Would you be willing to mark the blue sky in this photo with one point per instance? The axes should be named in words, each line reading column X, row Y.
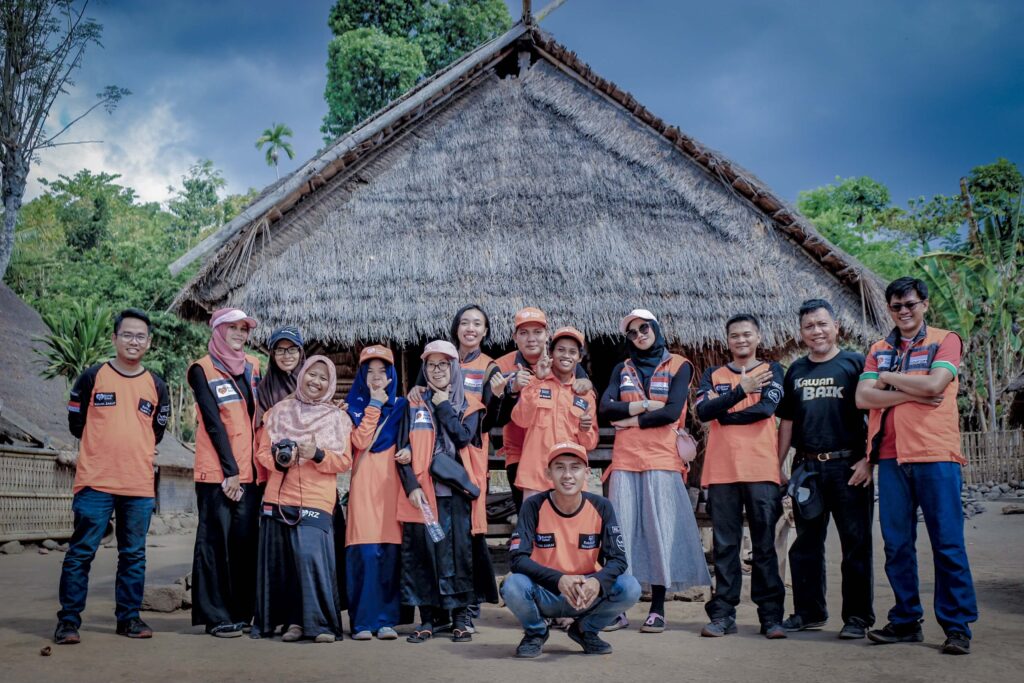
column 911, row 92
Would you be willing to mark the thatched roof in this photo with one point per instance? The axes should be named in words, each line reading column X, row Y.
column 518, row 177
column 33, row 410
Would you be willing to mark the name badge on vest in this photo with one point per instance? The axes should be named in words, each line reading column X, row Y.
column 224, row 391
column 588, row 541
column 544, row 540
column 473, row 381
column 722, row 388
column 919, row 360
column 104, row 399
column 421, row 420
column 884, row 360
column 627, row 381
column 145, row 407
column 579, row 406
column 545, row 393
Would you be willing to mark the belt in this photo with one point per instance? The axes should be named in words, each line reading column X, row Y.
column 830, row 455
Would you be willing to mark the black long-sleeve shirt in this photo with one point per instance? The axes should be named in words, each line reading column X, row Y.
column 709, row 409
column 567, row 538
column 214, row 426
column 612, row 409
column 462, row 433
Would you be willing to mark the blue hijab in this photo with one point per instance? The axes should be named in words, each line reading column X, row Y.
column 390, row 413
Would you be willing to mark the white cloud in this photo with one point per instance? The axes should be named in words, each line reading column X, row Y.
column 145, row 142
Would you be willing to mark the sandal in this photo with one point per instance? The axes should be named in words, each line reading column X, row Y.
column 655, row 623
column 423, row 633
column 461, row 635
column 620, row 622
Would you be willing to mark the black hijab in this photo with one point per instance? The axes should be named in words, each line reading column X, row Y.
column 277, row 384
column 646, row 362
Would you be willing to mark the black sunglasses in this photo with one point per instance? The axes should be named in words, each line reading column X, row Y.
column 644, row 328
column 909, row 305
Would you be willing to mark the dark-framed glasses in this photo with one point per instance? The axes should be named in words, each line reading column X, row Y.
column 128, row 337
column 642, row 328
column 909, row 305
column 443, row 366
column 290, row 351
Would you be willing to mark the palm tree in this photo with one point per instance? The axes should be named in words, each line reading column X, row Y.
column 274, row 138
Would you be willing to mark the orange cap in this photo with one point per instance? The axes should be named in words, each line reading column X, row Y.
column 379, row 352
column 568, row 448
column 570, row 332
column 530, row 315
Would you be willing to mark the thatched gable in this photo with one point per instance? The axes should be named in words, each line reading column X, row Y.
column 518, row 177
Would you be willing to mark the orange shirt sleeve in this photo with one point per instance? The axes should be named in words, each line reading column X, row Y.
column 362, row 437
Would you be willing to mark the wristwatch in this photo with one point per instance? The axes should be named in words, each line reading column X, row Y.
column 646, row 403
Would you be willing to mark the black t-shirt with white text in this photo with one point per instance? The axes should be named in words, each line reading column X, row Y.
column 820, row 400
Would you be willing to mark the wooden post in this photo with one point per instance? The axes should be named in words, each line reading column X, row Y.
column 527, row 17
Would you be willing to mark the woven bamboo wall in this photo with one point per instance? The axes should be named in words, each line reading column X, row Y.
column 993, row 456
column 35, row 496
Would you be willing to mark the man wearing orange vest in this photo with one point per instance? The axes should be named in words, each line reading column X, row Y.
column 568, row 559
column 119, row 410
column 517, row 368
column 909, row 385
column 742, row 472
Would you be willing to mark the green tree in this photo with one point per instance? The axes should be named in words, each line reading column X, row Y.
column 994, row 189
column 197, row 203
column 381, row 49
column 42, row 44
column 273, row 139
column 79, row 337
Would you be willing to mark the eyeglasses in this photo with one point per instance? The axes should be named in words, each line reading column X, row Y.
column 439, row 367
column 128, row 337
column 643, row 328
column 909, row 305
column 290, row 351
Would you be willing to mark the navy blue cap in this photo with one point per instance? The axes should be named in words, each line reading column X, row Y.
column 292, row 334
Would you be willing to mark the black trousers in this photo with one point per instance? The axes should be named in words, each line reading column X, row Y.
column 517, row 493
column 763, row 504
column 224, row 562
column 852, row 508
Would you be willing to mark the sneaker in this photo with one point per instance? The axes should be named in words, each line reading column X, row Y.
column 362, row 635
column 324, row 638
column 66, row 633
column 956, row 644
column 798, row 623
column 852, row 631
column 531, row 645
column 589, row 641
column 655, row 623
column 224, row 631
column 134, row 628
column 386, row 633
column 773, row 630
column 620, row 622
column 293, row 634
column 897, row 633
column 719, row 627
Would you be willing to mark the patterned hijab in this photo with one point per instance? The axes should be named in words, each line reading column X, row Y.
column 300, row 417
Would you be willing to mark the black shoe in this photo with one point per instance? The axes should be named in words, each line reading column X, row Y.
column 716, row 628
column 897, row 633
column 531, row 645
column 590, row 642
column 134, row 628
column 956, row 644
column 66, row 633
column 852, row 630
column 798, row 623
column 773, row 630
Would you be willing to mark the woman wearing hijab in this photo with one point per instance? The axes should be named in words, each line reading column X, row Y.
column 439, row 570
column 227, row 497
column 374, row 536
column 304, row 447
column 287, row 356
column 646, row 402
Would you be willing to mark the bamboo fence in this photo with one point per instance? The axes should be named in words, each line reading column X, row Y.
column 993, row 456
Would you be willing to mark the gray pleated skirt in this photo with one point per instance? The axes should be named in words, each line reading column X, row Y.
column 659, row 529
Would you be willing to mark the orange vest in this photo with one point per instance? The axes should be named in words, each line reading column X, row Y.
column 512, row 435
column 740, row 453
column 235, row 416
column 640, row 450
column 474, row 374
column 923, row 433
column 309, row 485
column 550, row 413
column 117, row 450
column 421, row 442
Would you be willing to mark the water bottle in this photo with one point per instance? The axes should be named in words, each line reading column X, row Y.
column 434, row 529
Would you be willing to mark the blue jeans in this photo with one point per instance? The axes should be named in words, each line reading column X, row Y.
column 92, row 510
column 935, row 488
column 531, row 603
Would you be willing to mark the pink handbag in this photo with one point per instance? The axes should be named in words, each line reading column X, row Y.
column 686, row 445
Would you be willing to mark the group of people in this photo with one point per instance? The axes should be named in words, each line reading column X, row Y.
column 279, row 551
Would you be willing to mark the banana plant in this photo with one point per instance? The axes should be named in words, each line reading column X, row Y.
column 79, row 337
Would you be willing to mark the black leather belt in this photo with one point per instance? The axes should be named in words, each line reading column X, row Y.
column 830, row 455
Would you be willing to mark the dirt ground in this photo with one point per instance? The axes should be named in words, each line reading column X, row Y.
column 178, row 652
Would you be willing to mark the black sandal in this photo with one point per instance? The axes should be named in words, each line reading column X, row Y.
column 461, row 635
column 423, row 633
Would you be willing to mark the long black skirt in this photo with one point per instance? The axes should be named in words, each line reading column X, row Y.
column 224, row 560
column 451, row 574
column 296, row 578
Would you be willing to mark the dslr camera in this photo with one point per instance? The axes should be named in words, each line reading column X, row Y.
column 284, row 452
